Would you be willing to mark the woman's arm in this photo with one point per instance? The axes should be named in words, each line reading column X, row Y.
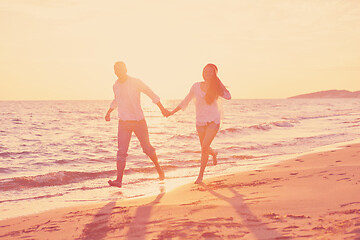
column 175, row 110
column 225, row 93
column 184, row 103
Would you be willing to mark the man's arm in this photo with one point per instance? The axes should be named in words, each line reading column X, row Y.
column 163, row 110
column 145, row 89
column 113, row 105
column 107, row 116
column 155, row 98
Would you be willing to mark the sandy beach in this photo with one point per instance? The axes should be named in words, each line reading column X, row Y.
column 314, row 196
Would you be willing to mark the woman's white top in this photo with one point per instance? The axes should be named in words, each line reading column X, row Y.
column 127, row 99
column 205, row 112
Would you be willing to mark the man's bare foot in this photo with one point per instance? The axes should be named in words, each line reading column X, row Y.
column 215, row 158
column 115, row 183
column 198, row 180
column 161, row 175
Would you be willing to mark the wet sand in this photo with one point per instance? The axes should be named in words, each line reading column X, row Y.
column 315, row 196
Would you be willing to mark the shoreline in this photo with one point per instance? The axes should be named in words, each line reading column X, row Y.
column 309, row 196
column 169, row 185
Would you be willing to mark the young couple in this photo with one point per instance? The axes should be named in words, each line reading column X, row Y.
column 131, row 117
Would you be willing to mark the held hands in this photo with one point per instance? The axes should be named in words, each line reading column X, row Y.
column 165, row 112
column 171, row 113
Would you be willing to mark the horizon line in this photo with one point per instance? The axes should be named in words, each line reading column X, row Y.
column 14, row 100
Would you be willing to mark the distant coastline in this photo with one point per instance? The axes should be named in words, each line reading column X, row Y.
column 330, row 94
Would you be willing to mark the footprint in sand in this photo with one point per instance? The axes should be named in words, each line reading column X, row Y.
column 210, row 235
column 296, row 216
column 357, row 230
column 235, row 236
column 350, row 203
column 272, row 216
column 191, row 204
column 319, row 228
column 349, row 179
column 290, row 228
column 51, row 228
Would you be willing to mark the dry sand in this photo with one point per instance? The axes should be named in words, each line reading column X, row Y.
column 315, row 196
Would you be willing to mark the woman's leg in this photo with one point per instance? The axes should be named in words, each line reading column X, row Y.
column 209, row 135
column 142, row 133
column 201, row 132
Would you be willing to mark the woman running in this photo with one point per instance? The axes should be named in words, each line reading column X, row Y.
column 208, row 113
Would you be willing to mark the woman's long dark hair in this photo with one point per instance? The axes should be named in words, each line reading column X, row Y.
column 215, row 90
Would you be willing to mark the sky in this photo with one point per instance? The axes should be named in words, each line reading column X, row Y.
column 66, row 49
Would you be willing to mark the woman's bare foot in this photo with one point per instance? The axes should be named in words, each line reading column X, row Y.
column 215, row 158
column 198, row 180
column 115, row 183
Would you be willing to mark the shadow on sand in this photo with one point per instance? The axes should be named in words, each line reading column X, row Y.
column 98, row 228
column 138, row 225
column 258, row 229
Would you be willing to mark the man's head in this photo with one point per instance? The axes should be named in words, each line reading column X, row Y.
column 120, row 70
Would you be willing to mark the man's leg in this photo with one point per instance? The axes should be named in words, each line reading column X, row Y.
column 124, row 136
column 142, row 133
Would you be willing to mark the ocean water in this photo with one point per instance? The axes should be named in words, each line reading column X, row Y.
column 62, row 153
